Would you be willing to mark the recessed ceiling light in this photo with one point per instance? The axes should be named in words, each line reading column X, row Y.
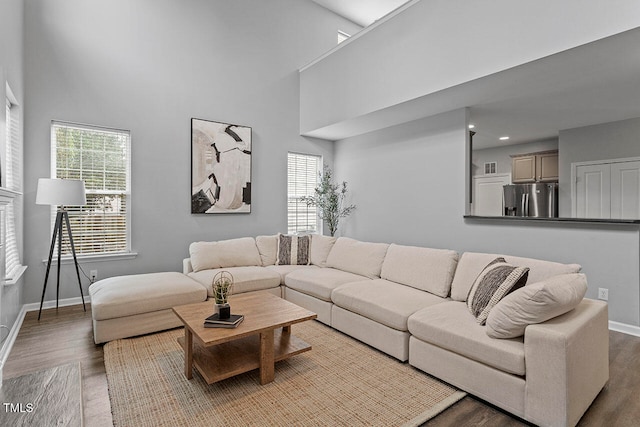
column 504, row 138
column 472, row 126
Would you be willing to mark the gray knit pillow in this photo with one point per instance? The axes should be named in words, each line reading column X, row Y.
column 494, row 282
column 293, row 250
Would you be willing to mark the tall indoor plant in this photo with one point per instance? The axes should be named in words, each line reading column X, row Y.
column 329, row 198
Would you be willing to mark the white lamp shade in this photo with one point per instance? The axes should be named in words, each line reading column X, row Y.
column 61, row 192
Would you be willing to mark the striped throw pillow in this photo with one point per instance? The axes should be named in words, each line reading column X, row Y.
column 494, row 282
column 293, row 250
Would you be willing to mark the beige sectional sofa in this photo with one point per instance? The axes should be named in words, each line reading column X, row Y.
column 410, row 303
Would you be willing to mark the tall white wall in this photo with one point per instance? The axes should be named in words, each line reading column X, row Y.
column 150, row 66
column 438, row 44
column 12, row 73
column 408, row 183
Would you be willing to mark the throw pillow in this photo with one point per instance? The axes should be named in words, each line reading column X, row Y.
column 495, row 281
column 536, row 303
column 293, row 250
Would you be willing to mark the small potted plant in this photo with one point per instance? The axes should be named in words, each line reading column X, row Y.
column 222, row 287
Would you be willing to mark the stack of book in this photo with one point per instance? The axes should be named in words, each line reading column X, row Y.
column 214, row 321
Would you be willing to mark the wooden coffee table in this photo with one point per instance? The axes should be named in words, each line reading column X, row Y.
column 263, row 338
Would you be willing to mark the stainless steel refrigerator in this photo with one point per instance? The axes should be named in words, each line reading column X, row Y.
column 539, row 200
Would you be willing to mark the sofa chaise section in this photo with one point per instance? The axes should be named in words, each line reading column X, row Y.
column 127, row 306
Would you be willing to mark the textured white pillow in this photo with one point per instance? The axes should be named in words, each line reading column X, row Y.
column 268, row 248
column 320, row 248
column 536, row 303
column 225, row 253
column 357, row 257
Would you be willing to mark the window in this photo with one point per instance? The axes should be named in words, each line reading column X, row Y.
column 342, row 36
column 13, row 181
column 303, row 174
column 101, row 158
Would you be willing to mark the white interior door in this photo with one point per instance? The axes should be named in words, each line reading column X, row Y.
column 488, row 194
column 592, row 191
column 625, row 190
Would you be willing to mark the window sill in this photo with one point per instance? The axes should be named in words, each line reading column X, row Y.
column 16, row 277
column 68, row 259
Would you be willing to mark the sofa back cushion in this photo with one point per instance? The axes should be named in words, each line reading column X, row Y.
column 471, row 265
column 357, row 257
column 426, row 269
column 268, row 248
column 224, row 253
column 320, row 248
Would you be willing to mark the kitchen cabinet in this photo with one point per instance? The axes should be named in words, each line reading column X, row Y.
column 535, row 167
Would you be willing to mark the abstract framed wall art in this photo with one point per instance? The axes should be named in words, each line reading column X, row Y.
column 220, row 168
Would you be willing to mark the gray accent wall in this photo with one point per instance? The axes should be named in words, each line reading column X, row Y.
column 150, row 66
column 408, row 183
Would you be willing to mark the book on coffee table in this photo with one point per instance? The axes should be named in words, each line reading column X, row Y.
column 214, row 321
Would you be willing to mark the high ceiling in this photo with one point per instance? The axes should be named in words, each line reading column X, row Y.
column 591, row 84
column 362, row 12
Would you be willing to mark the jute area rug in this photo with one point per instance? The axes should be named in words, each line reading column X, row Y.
column 339, row 382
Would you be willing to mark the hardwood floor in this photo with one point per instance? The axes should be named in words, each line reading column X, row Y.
column 66, row 335
column 59, row 338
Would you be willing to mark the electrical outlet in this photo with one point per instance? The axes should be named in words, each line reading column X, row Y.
column 93, row 275
column 603, row 294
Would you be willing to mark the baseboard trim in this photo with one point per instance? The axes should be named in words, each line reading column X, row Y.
column 11, row 338
column 35, row 306
column 624, row 328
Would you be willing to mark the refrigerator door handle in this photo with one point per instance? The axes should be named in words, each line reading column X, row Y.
column 525, row 204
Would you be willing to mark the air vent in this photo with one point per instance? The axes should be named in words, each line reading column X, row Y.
column 490, row 168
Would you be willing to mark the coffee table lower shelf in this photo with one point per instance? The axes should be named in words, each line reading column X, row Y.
column 222, row 361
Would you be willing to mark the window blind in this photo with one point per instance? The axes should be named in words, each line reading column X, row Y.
column 101, row 158
column 303, row 173
column 13, row 181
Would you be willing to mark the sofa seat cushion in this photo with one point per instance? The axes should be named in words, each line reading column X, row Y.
column 245, row 279
column 427, row 269
column 122, row 296
column 319, row 282
column 452, row 327
column 382, row 301
column 472, row 263
column 283, row 270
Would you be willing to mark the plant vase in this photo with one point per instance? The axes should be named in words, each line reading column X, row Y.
column 223, row 310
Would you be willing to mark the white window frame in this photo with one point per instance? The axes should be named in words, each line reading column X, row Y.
column 302, row 186
column 125, row 253
column 13, row 182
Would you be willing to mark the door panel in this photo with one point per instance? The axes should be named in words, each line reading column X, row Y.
column 593, row 183
column 625, row 190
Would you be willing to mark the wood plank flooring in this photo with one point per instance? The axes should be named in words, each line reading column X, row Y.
column 66, row 336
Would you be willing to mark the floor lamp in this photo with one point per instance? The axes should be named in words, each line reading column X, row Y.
column 60, row 193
